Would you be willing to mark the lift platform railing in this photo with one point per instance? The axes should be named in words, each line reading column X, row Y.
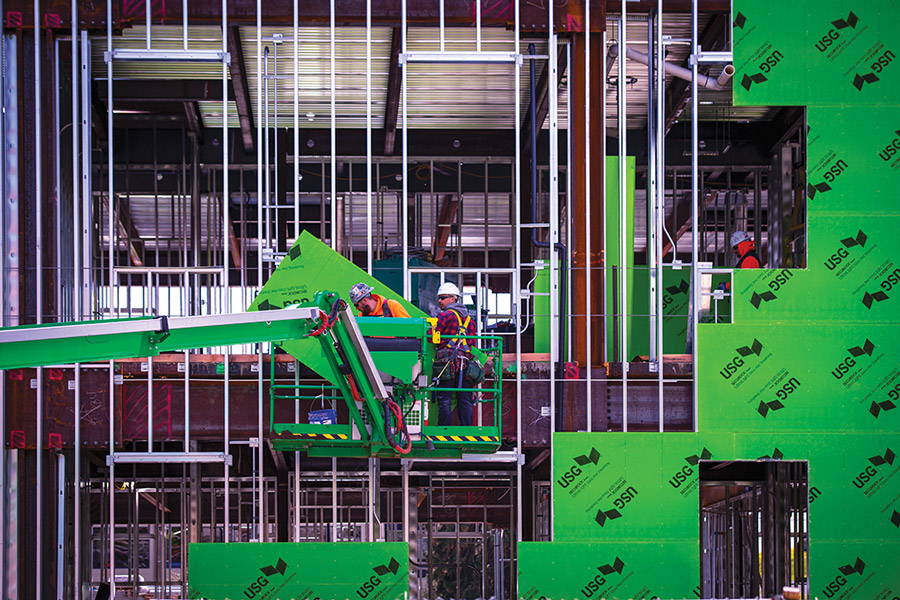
column 412, row 392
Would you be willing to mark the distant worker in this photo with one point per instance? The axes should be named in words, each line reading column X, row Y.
column 373, row 305
column 743, row 247
column 453, row 355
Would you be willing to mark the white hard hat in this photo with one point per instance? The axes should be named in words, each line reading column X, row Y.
column 448, row 288
column 739, row 236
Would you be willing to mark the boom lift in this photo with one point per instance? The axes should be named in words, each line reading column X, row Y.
column 382, row 369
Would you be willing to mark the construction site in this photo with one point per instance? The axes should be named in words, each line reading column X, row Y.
column 449, row 299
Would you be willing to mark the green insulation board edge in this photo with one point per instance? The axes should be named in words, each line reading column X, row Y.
column 309, row 267
column 304, row 571
column 635, row 497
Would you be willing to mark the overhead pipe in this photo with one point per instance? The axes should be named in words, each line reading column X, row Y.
column 717, row 84
column 561, row 248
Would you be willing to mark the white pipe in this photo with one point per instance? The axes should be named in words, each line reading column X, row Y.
column 706, row 81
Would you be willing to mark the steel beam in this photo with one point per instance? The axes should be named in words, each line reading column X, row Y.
column 241, row 89
column 586, row 302
column 392, row 99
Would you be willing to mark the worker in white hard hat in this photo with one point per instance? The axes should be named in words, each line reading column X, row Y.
column 743, row 247
column 374, row 305
column 454, row 319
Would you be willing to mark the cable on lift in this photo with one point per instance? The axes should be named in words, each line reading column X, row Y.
column 394, row 408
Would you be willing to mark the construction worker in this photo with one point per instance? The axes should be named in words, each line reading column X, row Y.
column 743, row 247
column 373, row 305
column 453, row 320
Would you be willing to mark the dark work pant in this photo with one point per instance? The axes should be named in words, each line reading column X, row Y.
column 464, row 404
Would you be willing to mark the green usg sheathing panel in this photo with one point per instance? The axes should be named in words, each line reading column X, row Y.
column 565, row 570
column 623, row 494
column 305, row 571
column 787, row 379
column 831, row 53
column 309, row 267
column 809, row 371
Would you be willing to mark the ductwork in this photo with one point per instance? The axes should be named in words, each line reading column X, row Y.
column 674, row 70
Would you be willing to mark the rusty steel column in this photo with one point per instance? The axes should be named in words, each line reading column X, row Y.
column 587, row 304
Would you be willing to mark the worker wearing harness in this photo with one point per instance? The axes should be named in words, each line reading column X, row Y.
column 373, row 305
column 453, row 320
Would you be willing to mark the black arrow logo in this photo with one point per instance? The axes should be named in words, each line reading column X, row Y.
column 681, row 288
column 866, row 348
column 876, row 297
column 593, row 458
column 279, row 567
column 603, row 516
column 615, row 567
column 813, row 189
column 757, row 299
column 776, row 455
column 859, row 240
column 391, row 567
column 858, row 567
column 740, row 20
column 266, row 305
column 755, row 348
column 749, row 80
column 877, row 407
column 850, row 22
column 860, row 80
column 887, row 459
column 895, row 519
column 765, row 407
column 692, row 460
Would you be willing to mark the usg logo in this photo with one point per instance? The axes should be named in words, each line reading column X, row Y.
column 842, row 253
column 569, row 477
column 886, row 284
column 833, row 172
column 886, row 459
column 374, row 581
column 619, row 503
column 737, row 362
column 780, row 394
column 593, row 585
column 886, row 58
column 891, row 149
column 871, row 469
column 829, row 38
column 674, row 290
column 843, row 368
column 893, row 395
column 835, row 586
column 262, row 581
column 774, row 284
column 686, row 471
column 766, row 66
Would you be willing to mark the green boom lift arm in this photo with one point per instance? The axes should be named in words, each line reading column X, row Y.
column 377, row 422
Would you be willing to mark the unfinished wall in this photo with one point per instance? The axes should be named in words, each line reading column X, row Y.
column 808, row 371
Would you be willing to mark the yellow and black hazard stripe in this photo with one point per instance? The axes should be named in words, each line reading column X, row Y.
column 315, row 436
column 463, row 438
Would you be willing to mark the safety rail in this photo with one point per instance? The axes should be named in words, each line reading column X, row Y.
column 343, row 437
